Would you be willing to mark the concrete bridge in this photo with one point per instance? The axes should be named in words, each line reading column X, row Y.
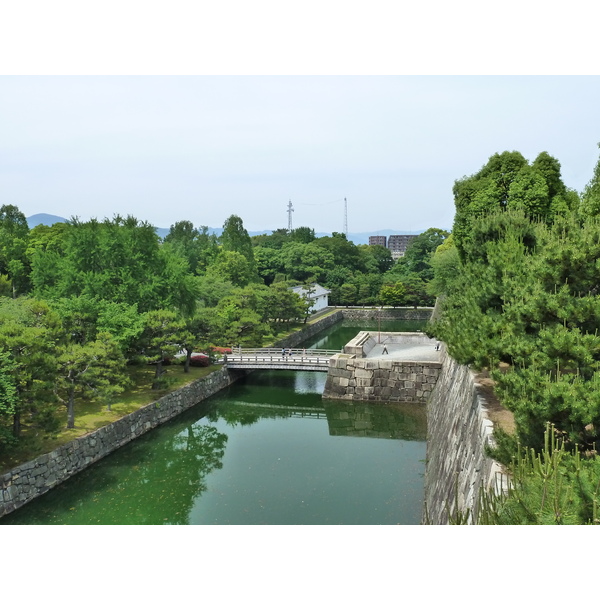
column 293, row 359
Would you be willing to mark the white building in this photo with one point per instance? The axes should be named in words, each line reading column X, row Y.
column 315, row 292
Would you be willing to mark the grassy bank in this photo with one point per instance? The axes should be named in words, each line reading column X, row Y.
column 93, row 414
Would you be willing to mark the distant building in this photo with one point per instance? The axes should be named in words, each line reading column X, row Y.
column 377, row 240
column 316, row 292
column 397, row 244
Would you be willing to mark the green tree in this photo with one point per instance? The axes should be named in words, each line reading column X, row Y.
column 236, row 239
column 9, row 398
column 234, row 267
column 93, row 369
column 199, row 333
column 307, row 262
column 392, row 294
column 590, row 201
column 29, row 332
column 507, row 181
column 13, row 245
column 269, row 263
column 161, row 339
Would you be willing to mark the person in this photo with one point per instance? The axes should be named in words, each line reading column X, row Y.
column 437, row 346
column 385, row 350
column 282, row 352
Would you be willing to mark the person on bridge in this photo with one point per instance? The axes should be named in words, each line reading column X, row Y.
column 385, row 350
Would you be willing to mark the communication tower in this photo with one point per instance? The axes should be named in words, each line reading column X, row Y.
column 346, row 217
column 290, row 210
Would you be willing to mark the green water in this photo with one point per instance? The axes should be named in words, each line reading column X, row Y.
column 267, row 450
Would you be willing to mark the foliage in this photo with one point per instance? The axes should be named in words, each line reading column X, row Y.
column 392, row 294
column 507, row 181
column 161, row 338
column 550, row 487
column 590, row 201
column 13, row 245
column 119, row 261
column 93, row 369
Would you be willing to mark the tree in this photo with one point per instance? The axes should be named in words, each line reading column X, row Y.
column 269, row 263
column 392, row 294
column 507, row 181
column 93, row 369
column 119, row 261
column 303, row 235
column 343, row 252
column 29, row 332
column 307, row 262
column 376, row 259
column 417, row 258
column 200, row 332
column 445, row 263
column 197, row 246
column 161, row 339
column 236, row 239
column 234, row 267
column 9, row 398
column 13, row 244
column 590, row 201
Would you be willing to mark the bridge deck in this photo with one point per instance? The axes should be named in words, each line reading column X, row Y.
column 274, row 358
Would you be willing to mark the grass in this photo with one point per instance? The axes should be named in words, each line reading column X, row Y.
column 93, row 414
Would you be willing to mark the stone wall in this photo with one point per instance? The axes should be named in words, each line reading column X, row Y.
column 458, row 430
column 387, row 314
column 378, row 380
column 32, row 479
column 296, row 339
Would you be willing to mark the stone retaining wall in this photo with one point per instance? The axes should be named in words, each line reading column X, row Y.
column 378, row 380
column 458, row 430
column 34, row 478
column 387, row 314
column 296, row 339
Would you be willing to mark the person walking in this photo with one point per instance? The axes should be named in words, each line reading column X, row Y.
column 385, row 350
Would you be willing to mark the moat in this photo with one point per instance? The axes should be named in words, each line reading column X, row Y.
column 267, row 450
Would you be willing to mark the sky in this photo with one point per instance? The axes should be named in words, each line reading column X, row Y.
column 200, row 148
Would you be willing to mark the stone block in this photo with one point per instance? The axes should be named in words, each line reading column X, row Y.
column 364, row 373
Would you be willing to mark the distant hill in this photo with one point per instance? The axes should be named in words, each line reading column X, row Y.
column 44, row 219
column 357, row 238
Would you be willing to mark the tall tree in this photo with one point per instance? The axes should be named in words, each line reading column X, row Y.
column 13, row 245
column 590, row 202
column 93, row 369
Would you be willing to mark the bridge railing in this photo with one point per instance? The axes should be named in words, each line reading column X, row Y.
column 274, row 355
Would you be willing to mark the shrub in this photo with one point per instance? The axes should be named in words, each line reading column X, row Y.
column 221, row 350
column 199, row 360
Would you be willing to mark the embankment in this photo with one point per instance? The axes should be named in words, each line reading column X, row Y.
column 34, row 478
column 458, row 431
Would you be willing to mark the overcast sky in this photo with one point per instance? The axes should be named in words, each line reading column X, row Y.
column 201, row 148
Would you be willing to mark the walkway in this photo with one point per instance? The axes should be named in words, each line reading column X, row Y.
column 295, row 359
column 407, row 352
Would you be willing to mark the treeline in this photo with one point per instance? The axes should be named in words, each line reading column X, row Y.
column 519, row 281
column 356, row 275
column 79, row 301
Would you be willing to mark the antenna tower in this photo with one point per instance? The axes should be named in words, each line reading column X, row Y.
column 346, row 217
column 290, row 210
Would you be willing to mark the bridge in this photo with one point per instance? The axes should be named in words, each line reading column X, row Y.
column 293, row 359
